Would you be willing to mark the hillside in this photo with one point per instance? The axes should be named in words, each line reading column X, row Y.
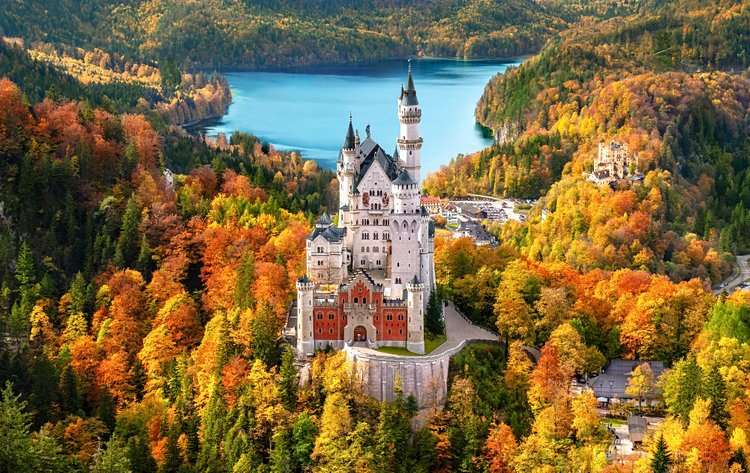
column 239, row 34
column 109, row 81
column 145, row 274
column 669, row 84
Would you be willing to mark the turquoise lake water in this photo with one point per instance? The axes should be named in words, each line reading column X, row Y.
column 308, row 109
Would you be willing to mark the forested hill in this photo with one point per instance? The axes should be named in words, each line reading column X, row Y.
column 101, row 79
column 671, row 84
column 244, row 34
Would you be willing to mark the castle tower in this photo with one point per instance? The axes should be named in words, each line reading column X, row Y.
column 426, row 253
column 346, row 164
column 305, row 339
column 404, row 228
column 409, row 115
column 415, row 312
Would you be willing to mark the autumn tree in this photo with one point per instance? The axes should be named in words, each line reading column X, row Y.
column 641, row 383
column 500, row 449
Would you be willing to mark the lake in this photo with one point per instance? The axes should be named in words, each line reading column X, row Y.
column 308, row 109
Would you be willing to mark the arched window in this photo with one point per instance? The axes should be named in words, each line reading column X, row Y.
column 356, row 300
column 389, row 331
column 330, row 330
column 364, row 300
column 400, row 316
column 330, row 316
column 320, row 316
column 400, row 331
column 389, row 317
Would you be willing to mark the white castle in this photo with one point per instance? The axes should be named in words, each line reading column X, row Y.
column 371, row 272
column 613, row 162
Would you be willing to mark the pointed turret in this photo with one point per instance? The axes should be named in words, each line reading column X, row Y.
column 409, row 94
column 349, row 142
column 409, row 142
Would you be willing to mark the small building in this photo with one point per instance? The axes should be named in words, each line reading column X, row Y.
column 169, row 177
column 433, row 204
column 637, row 428
column 613, row 383
column 451, row 214
column 472, row 211
column 613, row 162
column 476, row 232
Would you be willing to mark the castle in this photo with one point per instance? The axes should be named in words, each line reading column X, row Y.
column 613, row 162
column 369, row 274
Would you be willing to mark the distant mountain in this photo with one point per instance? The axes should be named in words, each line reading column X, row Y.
column 244, row 34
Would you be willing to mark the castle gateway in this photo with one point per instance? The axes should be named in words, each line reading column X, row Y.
column 370, row 273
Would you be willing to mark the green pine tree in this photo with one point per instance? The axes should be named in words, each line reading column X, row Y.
column 70, row 398
column 139, row 455
column 113, row 458
column 282, row 458
column 715, row 389
column 304, row 433
column 683, row 387
column 243, row 295
column 434, row 315
column 288, row 385
column 129, row 242
column 661, row 458
column 79, row 294
column 210, row 458
column 265, row 331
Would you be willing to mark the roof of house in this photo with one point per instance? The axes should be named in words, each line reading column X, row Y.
column 371, row 153
column 404, row 179
column 613, row 383
column 475, row 231
column 637, row 427
column 331, row 233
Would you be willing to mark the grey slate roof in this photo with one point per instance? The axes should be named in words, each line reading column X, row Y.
column 325, row 219
column 304, row 279
column 368, row 278
column 404, row 179
column 409, row 94
column 375, row 153
column 331, row 233
column 349, row 140
column 637, row 427
column 414, row 280
column 614, row 381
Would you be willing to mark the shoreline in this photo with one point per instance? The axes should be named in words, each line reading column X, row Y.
column 309, row 68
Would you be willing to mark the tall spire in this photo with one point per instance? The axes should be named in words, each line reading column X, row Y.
column 349, row 141
column 409, row 94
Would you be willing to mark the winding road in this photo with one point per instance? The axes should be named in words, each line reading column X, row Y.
column 736, row 279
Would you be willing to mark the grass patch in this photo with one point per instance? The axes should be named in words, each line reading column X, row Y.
column 396, row 351
column 430, row 344
column 614, row 421
column 452, row 226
